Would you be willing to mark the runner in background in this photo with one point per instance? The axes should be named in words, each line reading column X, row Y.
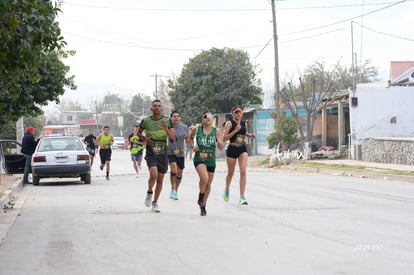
column 105, row 141
column 136, row 149
column 176, row 157
column 90, row 145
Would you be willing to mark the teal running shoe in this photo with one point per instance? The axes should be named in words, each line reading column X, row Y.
column 243, row 201
column 226, row 195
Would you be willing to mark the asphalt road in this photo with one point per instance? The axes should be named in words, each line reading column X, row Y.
column 294, row 224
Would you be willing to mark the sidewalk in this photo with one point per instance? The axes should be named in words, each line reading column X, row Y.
column 398, row 167
column 354, row 168
column 9, row 186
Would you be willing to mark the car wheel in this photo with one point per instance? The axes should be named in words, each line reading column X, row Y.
column 36, row 180
column 87, row 178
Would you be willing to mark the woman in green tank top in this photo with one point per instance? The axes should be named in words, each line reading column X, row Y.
column 206, row 137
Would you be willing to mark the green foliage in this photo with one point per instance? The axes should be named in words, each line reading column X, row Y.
column 112, row 103
column 31, row 46
column 8, row 131
column 139, row 107
column 26, row 97
column 36, row 122
column 215, row 80
column 285, row 134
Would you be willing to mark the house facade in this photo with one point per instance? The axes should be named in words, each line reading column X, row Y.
column 381, row 113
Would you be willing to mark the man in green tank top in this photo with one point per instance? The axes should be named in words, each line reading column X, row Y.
column 157, row 129
column 105, row 141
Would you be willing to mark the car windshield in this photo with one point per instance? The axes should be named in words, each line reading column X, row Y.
column 61, row 144
column 119, row 139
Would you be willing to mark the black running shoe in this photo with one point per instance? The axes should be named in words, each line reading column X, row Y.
column 203, row 211
column 202, row 205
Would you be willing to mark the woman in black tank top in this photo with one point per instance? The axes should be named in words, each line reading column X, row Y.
column 235, row 132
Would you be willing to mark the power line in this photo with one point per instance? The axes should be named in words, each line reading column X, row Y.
column 348, row 19
column 127, row 44
column 165, row 9
column 132, row 45
column 340, row 6
column 264, row 47
column 311, row 36
column 293, row 40
column 384, row 33
column 228, row 10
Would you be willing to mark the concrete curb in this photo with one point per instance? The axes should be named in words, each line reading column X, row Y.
column 7, row 201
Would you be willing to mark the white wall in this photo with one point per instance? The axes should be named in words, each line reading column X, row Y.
column 376, row 108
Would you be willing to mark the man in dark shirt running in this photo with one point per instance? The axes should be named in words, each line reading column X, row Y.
column 90, row 145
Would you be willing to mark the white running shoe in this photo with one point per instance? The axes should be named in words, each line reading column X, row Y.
column 148, row 199
column 155, row 208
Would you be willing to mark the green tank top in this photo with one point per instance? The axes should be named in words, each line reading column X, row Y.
column 105, row 141
column 135, row 148
column 207, row 146
column 158, row 136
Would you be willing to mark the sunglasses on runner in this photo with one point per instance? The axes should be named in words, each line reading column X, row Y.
column 208, row 116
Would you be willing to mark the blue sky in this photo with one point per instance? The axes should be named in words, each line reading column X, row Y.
column 125, row 42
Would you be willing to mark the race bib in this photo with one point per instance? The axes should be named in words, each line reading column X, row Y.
column 158, row 148
column 177, row 151
column 240, row 139
column 205, row 155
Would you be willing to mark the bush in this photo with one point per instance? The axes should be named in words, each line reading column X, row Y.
column 286, row 133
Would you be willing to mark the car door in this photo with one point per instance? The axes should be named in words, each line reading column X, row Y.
column 12, row 159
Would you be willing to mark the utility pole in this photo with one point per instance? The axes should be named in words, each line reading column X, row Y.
column 156, row 84
column 277, row 88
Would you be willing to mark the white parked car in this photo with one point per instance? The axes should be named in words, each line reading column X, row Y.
column 60, row 157
column 119, row 143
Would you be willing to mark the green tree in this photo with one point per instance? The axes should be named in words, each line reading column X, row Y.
column 31, row 46
column 8, row 131
column 215, row 80
column 286, row 133
column 138, row 108
column 26, row 97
